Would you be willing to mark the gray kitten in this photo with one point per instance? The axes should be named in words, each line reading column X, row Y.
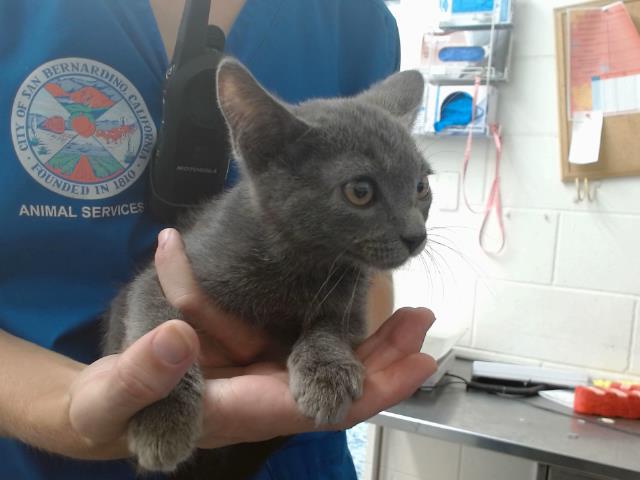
column 330, row 191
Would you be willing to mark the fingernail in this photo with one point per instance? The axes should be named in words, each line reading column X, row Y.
column 427, row 312
column 164, row 236
column 171, row 346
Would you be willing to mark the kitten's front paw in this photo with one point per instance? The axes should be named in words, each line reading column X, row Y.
column 324, row 391
column 161, row 439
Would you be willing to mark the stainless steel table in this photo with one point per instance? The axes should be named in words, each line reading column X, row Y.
column 535, row 429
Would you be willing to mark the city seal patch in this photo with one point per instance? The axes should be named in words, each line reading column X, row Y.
column 81, row 129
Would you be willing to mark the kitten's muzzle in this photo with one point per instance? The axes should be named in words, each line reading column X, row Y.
column 414, row 243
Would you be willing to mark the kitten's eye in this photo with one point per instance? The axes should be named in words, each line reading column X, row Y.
column 359, row 192
column 422, row 189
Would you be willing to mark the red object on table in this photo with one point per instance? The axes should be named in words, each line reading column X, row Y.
column 615, row 401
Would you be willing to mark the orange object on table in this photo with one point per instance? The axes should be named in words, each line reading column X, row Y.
column 617, row 400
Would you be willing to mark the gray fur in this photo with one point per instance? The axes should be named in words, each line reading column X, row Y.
column 285, row 250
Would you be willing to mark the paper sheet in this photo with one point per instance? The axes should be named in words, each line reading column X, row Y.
column 561, row 397
column 615, row 94
column 602, row 41
column 586, row 133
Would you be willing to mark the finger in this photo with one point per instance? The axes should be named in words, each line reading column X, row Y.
column 174, row 272
column 240, row 342
column 381, row 390
column 111, row 391
column 250, row 408
column 380, row 335
column 402, row 334
column 391, row 385
column 269, row 368
column 258, row 405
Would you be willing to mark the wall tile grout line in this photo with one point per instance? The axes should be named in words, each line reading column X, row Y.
column 567, row 288
column 635, row 337
column 556, row 250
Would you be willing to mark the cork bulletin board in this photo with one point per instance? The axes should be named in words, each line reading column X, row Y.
column 620, row 143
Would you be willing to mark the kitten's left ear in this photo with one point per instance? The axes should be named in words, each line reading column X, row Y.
column 261, row 126
column 400, row 94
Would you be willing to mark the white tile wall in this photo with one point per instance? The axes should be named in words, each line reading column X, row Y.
column 528, row 102
column 533, row 29
column 529, row 245
column 599, row 252
column 578, row 262
column 445, row 154
column 558, row 325
column 530, row 170
column 566, row 289
column 635, row 349
column 530, row 179
column 614, row 195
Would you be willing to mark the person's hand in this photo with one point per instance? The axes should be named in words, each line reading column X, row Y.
column 108, row 393
column 252, row 402
column 224, row 340
column 243, row 401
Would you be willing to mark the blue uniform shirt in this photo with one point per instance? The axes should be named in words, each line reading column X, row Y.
column 80, row 103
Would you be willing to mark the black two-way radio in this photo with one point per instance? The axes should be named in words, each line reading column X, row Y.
column 192, row 153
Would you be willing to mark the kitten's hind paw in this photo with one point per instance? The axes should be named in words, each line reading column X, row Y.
column 165, row 433
column 161, row 447
column 156, row 456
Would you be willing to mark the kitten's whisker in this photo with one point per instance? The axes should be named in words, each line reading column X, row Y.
column 326, row 280
column 446, row 243
column 477, row 270
column 427, row 253
column 458, row 253
column 346, row 317
column 440, row 152
column 439, row 235
column 438, row 258
column 433, row 253
column 426, row 269
column 447, row 227
column 314, row 310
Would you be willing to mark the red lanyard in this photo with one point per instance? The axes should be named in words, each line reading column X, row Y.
column 467, row 148
column 493, row 200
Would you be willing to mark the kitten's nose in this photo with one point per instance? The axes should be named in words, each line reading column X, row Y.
column 413, row 242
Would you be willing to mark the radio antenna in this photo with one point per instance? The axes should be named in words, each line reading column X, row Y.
column 192, row 33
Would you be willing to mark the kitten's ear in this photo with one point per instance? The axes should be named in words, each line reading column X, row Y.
column 261, row 126
column 400, row 94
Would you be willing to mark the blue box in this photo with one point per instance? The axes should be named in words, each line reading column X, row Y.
column 456, row 14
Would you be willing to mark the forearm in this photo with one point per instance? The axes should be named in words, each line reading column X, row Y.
column 34, row 400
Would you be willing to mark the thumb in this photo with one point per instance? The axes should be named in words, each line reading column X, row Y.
column 110, row 391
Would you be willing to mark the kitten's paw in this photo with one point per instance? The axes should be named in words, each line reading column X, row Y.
column 161, row 442
column 325, row 391
column 165, row 433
